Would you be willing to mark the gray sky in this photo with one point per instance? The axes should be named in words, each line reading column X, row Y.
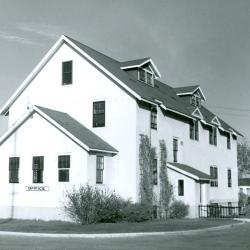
column 190, row 41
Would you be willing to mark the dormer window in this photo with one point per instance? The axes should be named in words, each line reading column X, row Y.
column 145, row 76
column 196, row 100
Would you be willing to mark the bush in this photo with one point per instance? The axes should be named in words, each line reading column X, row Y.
column 90, row 205
column 178, row 209
column 243, row 199
column 137, row 212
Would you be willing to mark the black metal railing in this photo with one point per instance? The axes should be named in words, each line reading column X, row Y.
column 211, row 211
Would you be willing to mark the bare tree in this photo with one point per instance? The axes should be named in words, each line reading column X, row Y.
column 243, row 154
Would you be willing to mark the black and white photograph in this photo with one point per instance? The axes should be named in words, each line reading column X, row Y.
column 124, row 124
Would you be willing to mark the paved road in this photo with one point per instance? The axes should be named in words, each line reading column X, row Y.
column 234, row 238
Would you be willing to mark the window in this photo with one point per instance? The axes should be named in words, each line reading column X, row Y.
column 213, row 136
column 99, row 114
column 14, row 170
column 38, row 162
column 229, row 208
column 214, row 177
column 99, row 169
column 228, row 141
column 194, row 130
column 181, row 187
column 67, row 73
column 196, row 100
column 229, row 178
column 154, row 118
column 63, row 168
column 155, row 172
column 146, row 76
column 241, row 190
column 175, row 149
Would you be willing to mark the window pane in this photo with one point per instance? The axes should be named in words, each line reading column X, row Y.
column 99, row 114
column 99, row 169
column 180, row 187
column 14, row 170
column 63, row 175
column 38, row 162
column 67, row 72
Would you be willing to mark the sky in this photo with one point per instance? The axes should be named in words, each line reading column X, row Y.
column 192, row 42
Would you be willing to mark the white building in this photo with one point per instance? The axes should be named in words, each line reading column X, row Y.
column 77, row 118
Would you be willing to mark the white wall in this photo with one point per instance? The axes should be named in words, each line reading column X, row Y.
column 77, row 99
column 34, row 138
column 197, row 154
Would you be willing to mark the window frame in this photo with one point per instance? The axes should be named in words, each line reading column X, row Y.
column 180, row 187
column 14, row 163
column 213, row 136
column 213, row 176
column 143, row 76
column 175, row 149
column 194, row 130
column 229, row 178
column 99, row 169
column 66, row 74
column 38, row 171
column 153, row 118
column 97, row 114
column 65, row 167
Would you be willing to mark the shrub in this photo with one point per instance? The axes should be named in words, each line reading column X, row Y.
column 137, row 212
column 87, row 205
column 243, row 199
column 178, row 209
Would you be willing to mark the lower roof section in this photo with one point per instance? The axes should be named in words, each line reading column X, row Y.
column 70, row 127
column 188, row 171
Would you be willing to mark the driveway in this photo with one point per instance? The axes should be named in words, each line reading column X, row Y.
column 232, row 238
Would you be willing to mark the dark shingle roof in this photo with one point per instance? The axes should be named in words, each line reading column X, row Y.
column 161, row 91
column 193, row 171
column 79, row 131
column 186, row 89
column 244, row 182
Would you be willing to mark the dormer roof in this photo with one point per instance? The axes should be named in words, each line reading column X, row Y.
column 137, row 63
column 190, row 90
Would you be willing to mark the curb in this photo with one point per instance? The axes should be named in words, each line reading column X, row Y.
column 120, row 235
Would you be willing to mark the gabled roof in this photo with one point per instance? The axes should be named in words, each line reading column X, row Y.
column 135, row 62
column 244, row 182
column 110, row 67
column 189, row 90
column 188, row 171
column 139, row 63
column 68, row 126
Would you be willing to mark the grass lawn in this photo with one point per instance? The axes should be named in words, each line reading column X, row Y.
column 150, row 226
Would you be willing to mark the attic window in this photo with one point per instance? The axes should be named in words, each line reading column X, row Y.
column 67, row 73
column 145, row 76
column 196, row 100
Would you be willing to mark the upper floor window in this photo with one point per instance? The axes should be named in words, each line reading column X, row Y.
column 214, row 176
column 146, row 76
column 67, row 73
column 14, row 170
column 154, row 118
column 196, row 100
column 99, row 169
column 175, row 149
column 229, row 178
column 213, row 136
column 181, row 187
column 37, row 167
column 228, row 141
column 155, row 172
column 63, row 168
column 194, row 130
column 99, row 114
